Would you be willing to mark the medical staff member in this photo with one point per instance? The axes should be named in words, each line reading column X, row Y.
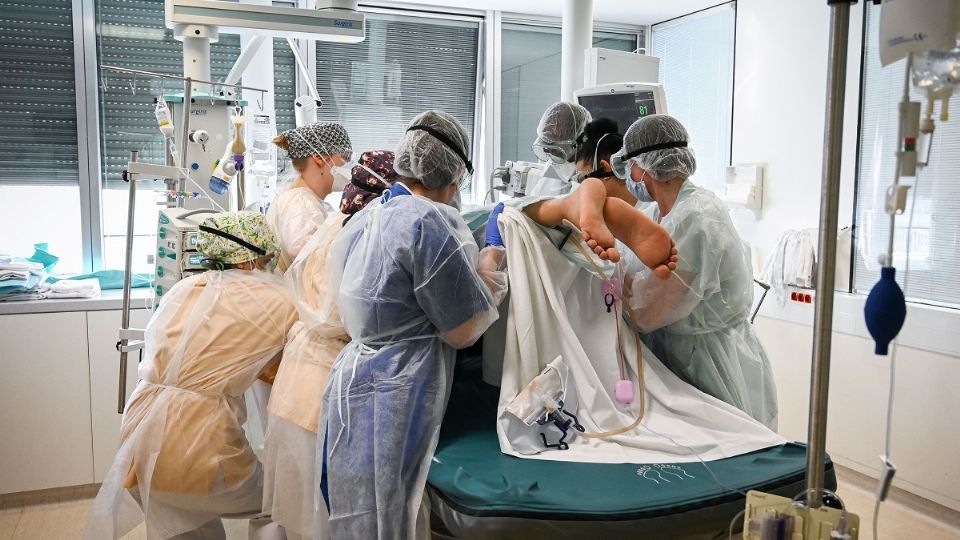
column 184, row 460
column 319, row 153
column 312, row 346
column 556, row 146
column 697, row 322
column 410, row 295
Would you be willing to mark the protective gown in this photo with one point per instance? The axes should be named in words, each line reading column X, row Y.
column 703, row 333
column 294, row 408
column 410, row 294
column 294, row 216
column 183, row 452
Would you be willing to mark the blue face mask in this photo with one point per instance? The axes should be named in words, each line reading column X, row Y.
column 639, row 189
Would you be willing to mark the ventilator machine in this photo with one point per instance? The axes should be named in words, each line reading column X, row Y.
column 206, row 126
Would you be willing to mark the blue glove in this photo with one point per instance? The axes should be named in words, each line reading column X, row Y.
column 395, row 190
column 493, row 231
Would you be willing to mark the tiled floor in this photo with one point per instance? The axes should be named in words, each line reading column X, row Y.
column 65, row 521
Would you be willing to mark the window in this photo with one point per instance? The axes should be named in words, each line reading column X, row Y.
column 39, row 169
column 935, row 244
column 405, row 66
column 530, row 81
column 696, row 70
column 132, row 34
column 284, row 84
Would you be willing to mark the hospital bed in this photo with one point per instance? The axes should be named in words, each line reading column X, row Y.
column 477, row 492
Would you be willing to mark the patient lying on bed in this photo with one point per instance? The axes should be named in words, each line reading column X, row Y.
column 603, row 220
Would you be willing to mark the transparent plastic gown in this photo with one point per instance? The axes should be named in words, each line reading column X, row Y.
column 410, row 295
column 183, row 453
column 703, row 333
column 294, row 409
column 294, row 216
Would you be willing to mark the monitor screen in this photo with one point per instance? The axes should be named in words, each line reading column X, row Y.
column 624, row 108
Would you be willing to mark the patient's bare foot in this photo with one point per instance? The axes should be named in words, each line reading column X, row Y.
column 653, row 245
column 598, row 236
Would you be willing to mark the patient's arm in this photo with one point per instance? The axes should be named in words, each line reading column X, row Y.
column 602, row 219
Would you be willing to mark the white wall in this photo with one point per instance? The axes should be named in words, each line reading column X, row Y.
column 779, row 95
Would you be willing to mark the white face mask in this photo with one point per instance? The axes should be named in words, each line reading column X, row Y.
column 341, row 176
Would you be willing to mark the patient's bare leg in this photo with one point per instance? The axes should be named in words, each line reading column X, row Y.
column 650, row 241
column 583, row 207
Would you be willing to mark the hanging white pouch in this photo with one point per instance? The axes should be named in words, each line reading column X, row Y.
column 531, row 419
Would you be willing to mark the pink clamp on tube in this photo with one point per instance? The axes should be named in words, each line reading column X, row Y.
column 623, row 391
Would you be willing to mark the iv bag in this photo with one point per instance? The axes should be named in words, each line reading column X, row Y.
column 263, row 154
column 937, row 72
column 915, row 26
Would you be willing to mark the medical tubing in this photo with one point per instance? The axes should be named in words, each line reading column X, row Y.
column 734, row 521
column 183, row 172
column 579, row 244
column 643, row 402
column 621, row 360
column 893, row 359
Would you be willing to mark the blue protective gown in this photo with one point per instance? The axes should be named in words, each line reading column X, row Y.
column 409, row 294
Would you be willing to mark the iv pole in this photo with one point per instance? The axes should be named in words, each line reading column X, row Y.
column 827, row 249
column 131, row 339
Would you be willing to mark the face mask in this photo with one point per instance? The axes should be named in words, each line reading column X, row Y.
column 455, row 201
column 639, row 189
column 341, row 176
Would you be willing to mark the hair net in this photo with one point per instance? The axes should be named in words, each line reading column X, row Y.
column 370, row 177
column 318, row 139
column 562, row 122
column 236, row 237
column 659, row 144
column 424, row 155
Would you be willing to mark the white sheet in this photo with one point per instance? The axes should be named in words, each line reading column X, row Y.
column 556, row 309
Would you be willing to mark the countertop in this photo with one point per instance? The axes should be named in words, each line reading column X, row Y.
column 108, row 300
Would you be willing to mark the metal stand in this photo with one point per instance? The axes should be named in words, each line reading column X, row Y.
column 125, row 345
column 131, row 339
column 827, row 248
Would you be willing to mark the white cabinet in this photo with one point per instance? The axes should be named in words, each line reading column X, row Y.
column 45, row 402
column 102, row 327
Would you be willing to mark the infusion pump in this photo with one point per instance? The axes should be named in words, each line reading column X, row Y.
column 177, row 256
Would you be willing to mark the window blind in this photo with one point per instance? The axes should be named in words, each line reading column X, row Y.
column 696, row 70
column 132, row 34
column 406, row 65
column 284, row 84
column 935, row 243
column 530, row 81
column 38, row 107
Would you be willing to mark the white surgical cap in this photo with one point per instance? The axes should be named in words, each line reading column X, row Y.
column 424, row 155
column 562, row 122
column 660, row 130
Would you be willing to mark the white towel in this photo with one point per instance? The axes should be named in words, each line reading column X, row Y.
column 74, row 288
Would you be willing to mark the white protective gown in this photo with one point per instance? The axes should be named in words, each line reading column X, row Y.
column 294, row 408
column 294, row 216
column 703, row 333
column 552, row 184
column 184, row 460
column 409, row 294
